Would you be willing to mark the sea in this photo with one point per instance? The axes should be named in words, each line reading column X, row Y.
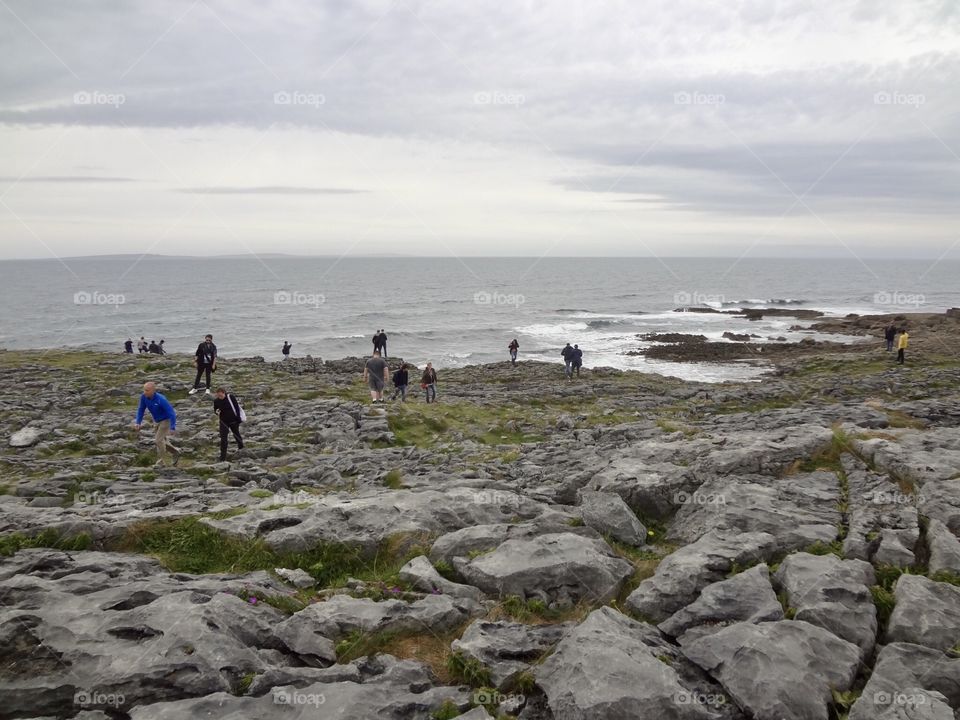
column 451, row 311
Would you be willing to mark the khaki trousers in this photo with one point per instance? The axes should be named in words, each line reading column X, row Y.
column 163, row 443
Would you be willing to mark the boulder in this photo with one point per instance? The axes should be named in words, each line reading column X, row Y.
column 609, row 515
column 508, row 648
column 926, row 613
column 26, row 437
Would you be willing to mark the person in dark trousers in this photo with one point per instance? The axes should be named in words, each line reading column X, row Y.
column 227, row 408
column 206, row 362
column 514, row 348
column 375, row 374
column 165, row 418
column 401, row 378
column 902, row 344
column 577, row 359
column 128, row 347
column 383, row 343
column 376, row 341
column 153, row 348
column 429, row 383
column 567, row 354
column 160, row 350
column 286, row 350
column 889, row 333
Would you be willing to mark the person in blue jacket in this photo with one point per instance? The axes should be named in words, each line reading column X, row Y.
column 164, row 416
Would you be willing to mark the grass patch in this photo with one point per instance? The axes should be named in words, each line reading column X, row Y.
column 393, row 480
column 885, row 602
column 9, row 544
column 448, row 710
column 822, row 548
column 261, row 493
column 468, row 670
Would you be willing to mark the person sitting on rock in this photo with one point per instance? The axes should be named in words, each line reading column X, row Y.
column 165, row 418
column 228, row 409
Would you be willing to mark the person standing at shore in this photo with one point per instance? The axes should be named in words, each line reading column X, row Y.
column 383, row 343
column 142, row 345
column 514, row 348
column 889, row 333
column 128, row 347
column 228, row 409
column 567, row 354
column 375, row 375
column 376, row 341
column 902, row 344
column 401, row 378
column 286, row 350
column 429, row 383
column 577, row 359
column 206, row 362
column 165, row 418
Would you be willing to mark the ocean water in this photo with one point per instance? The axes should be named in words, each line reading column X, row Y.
column 451, row 311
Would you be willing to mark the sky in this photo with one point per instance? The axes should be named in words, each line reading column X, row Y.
column 740, row 128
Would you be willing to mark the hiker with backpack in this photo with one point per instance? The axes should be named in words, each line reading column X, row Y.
column 231, row 414
column 401, row 378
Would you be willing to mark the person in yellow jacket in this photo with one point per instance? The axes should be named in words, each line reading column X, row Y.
column 902, row 344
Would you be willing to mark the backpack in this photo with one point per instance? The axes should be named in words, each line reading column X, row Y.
column 237, row 408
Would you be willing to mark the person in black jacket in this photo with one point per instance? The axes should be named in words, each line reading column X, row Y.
column 889, row 333
column 206, row 361
column 401, row 378
column 128, row 347
column 227, row 408
column 567, row 354
column 577, row 359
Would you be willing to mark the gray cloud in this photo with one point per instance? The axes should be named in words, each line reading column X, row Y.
column 270, row 190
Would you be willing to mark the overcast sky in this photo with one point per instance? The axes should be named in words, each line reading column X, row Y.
column 480, row 128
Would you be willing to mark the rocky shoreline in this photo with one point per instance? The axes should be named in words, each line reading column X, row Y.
column 620, row 546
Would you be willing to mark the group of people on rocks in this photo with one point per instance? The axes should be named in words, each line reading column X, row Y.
column 376, row 373
column 153, row 347
column 890, row 334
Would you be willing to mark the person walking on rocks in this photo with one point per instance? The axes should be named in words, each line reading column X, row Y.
column 286, row 350
column 165, row 418
column 375, row 374
column 514, row 348
column 228, row 409
column 567, row 354
column 889, row 333
column 902, row 344
column 429, row 383
column 401, row 378
column 577, row 359
column 206, row 362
